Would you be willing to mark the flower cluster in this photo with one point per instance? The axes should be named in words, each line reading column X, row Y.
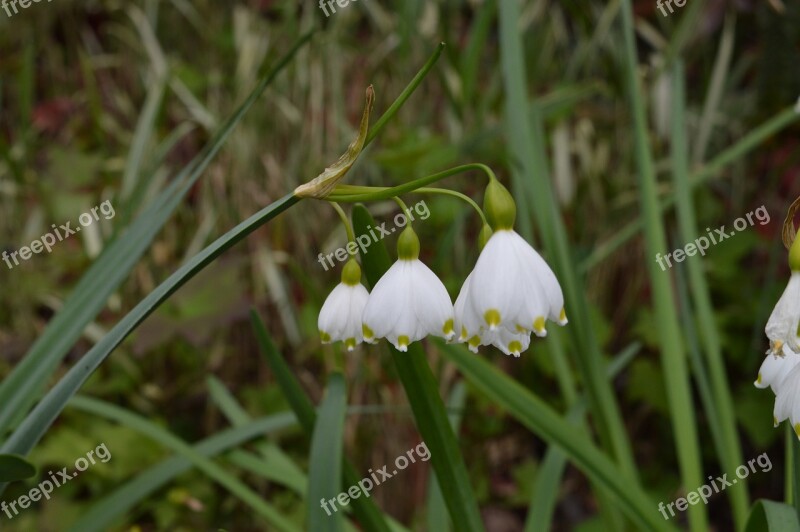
column 508, row 296
column 781, row 368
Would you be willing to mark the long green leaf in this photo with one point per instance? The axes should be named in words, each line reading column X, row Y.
column 156, row 433
column 729, row 449
column 531, row 183
column 540, row 418
column 110, row 508
column 20, row 389
column 423, row 394
column 673, row 356
column 364, row 508
column 36, row 424
column 771, row 516
column 325, row 463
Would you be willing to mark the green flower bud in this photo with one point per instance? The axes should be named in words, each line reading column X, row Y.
column 351, row 273
column 794, row 254
column 499, row 206
column 408, row 245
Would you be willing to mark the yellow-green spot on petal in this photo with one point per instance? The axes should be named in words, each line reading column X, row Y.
column 448, row 326
column 758, row 380
column 797, row 429
column 492, row 317
column 774, row 421
column 350, row 344
column 325, row 336
column 538, row 324
column 402, row 341
column 521, row 329
column 464, row 332
column 563, row 315
column 515, row 347
column 368, row 334
column 475, row 341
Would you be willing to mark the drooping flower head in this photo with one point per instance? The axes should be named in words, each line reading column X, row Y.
column 779, row 370
column 409, row 302
column 340, row 317
column 512, row 291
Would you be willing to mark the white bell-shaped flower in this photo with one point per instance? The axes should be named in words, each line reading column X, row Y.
column 775, row 368
column 340, row 317
column 787, row 400
column 513, row 286
column 466, row 319
column 409, row 302
column 782, row 326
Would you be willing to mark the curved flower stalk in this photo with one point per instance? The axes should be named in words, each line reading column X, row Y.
column 779, row 370
column 409, row 302
column 340, row 317
column 512, row 291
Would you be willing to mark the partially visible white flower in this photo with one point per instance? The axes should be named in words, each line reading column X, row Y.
column 775, row 369
column 787, row 400
column 340, row 317
column 409, row 302
column 782, row 326
column 466, row 320
column 513, row 286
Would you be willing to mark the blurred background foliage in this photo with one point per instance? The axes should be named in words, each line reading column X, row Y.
column 105, row 99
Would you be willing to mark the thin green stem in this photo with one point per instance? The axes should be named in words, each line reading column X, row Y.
column 350, row 236
column 407, row 92
column 455, row 194
column 347, row 193
column 403, row 206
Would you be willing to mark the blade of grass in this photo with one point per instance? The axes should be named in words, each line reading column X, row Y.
column 423, row 395
column 154, row 432
column 673, row 357
column 531, row 176
column 39, row 420
column 729, row 449
column 364, row 508
column 540, row 418
column 436, row 515
column 110, row 508
column 325, row 462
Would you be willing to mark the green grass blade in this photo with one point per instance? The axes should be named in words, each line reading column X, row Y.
column 37, row 422
column 531, row 180
column 367, row 513
column 436, row 514
column 207, row 466
column 771, row 516
column 729, row 449
column 110, row 508
column 540, row 418
column 14, row 467
column 673, row 356
column 273, row 464
column 422, row 391
column 20, row 389
column 325, row 462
